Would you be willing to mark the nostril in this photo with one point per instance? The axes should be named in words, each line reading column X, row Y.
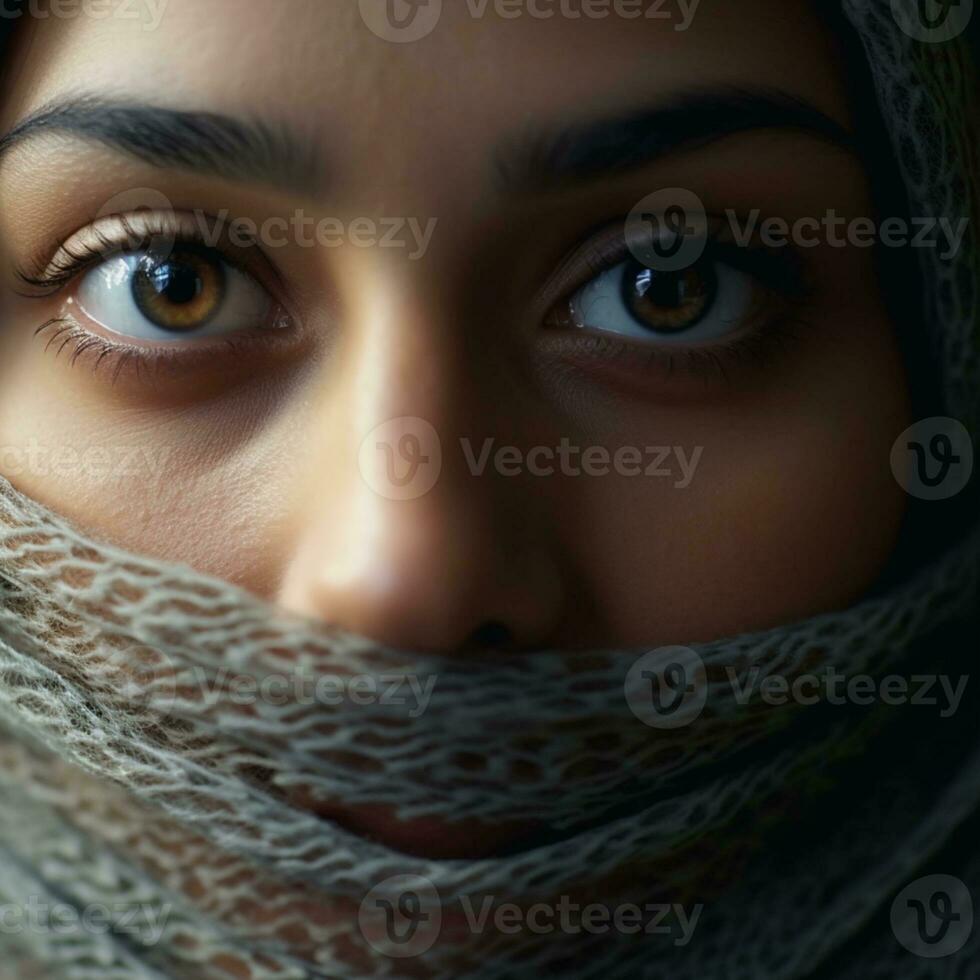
column 491, row 635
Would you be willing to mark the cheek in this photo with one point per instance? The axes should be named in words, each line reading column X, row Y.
column 791, row 510
column 201, row 486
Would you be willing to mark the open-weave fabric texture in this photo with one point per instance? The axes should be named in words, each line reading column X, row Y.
column 131, row 774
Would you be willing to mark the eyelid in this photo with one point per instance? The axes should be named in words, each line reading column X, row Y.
column 781, row 269
column 117, row 234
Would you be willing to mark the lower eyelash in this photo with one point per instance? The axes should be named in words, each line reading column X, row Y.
column 755, row 347
column 65, row 333
column 708, row 362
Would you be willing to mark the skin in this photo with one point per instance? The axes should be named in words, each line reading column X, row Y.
column 253, row 472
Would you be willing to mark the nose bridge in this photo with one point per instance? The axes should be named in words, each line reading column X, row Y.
column 397, row 538
column 409, row 392
column 378, row 415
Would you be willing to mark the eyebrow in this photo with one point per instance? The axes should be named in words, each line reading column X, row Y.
column 207, row 142
column 251, row 149
column 589, row 151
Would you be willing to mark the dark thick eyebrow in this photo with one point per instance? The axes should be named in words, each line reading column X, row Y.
column 206, row 142
column 581, row 152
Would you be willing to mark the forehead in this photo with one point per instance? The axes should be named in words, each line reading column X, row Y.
column 484, row 68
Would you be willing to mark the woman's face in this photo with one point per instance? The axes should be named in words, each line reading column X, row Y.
column 217, row 402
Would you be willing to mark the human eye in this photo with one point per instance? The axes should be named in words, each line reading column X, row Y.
column 728, row 300
column 705, row 302
column 144, row 285
column 191, row 293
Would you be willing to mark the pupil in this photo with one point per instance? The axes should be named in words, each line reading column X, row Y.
column 664, row 289
column 177, row 284
column 668, row 302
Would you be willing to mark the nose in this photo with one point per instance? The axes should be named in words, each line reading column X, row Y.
column 397, row 536
column 435, row 574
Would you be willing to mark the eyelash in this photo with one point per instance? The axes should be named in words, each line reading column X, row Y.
column 123, row 356
column 43, row 278
column 781, row 272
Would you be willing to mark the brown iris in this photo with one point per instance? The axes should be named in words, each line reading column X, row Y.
column 669, row 302
column 180, row 293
